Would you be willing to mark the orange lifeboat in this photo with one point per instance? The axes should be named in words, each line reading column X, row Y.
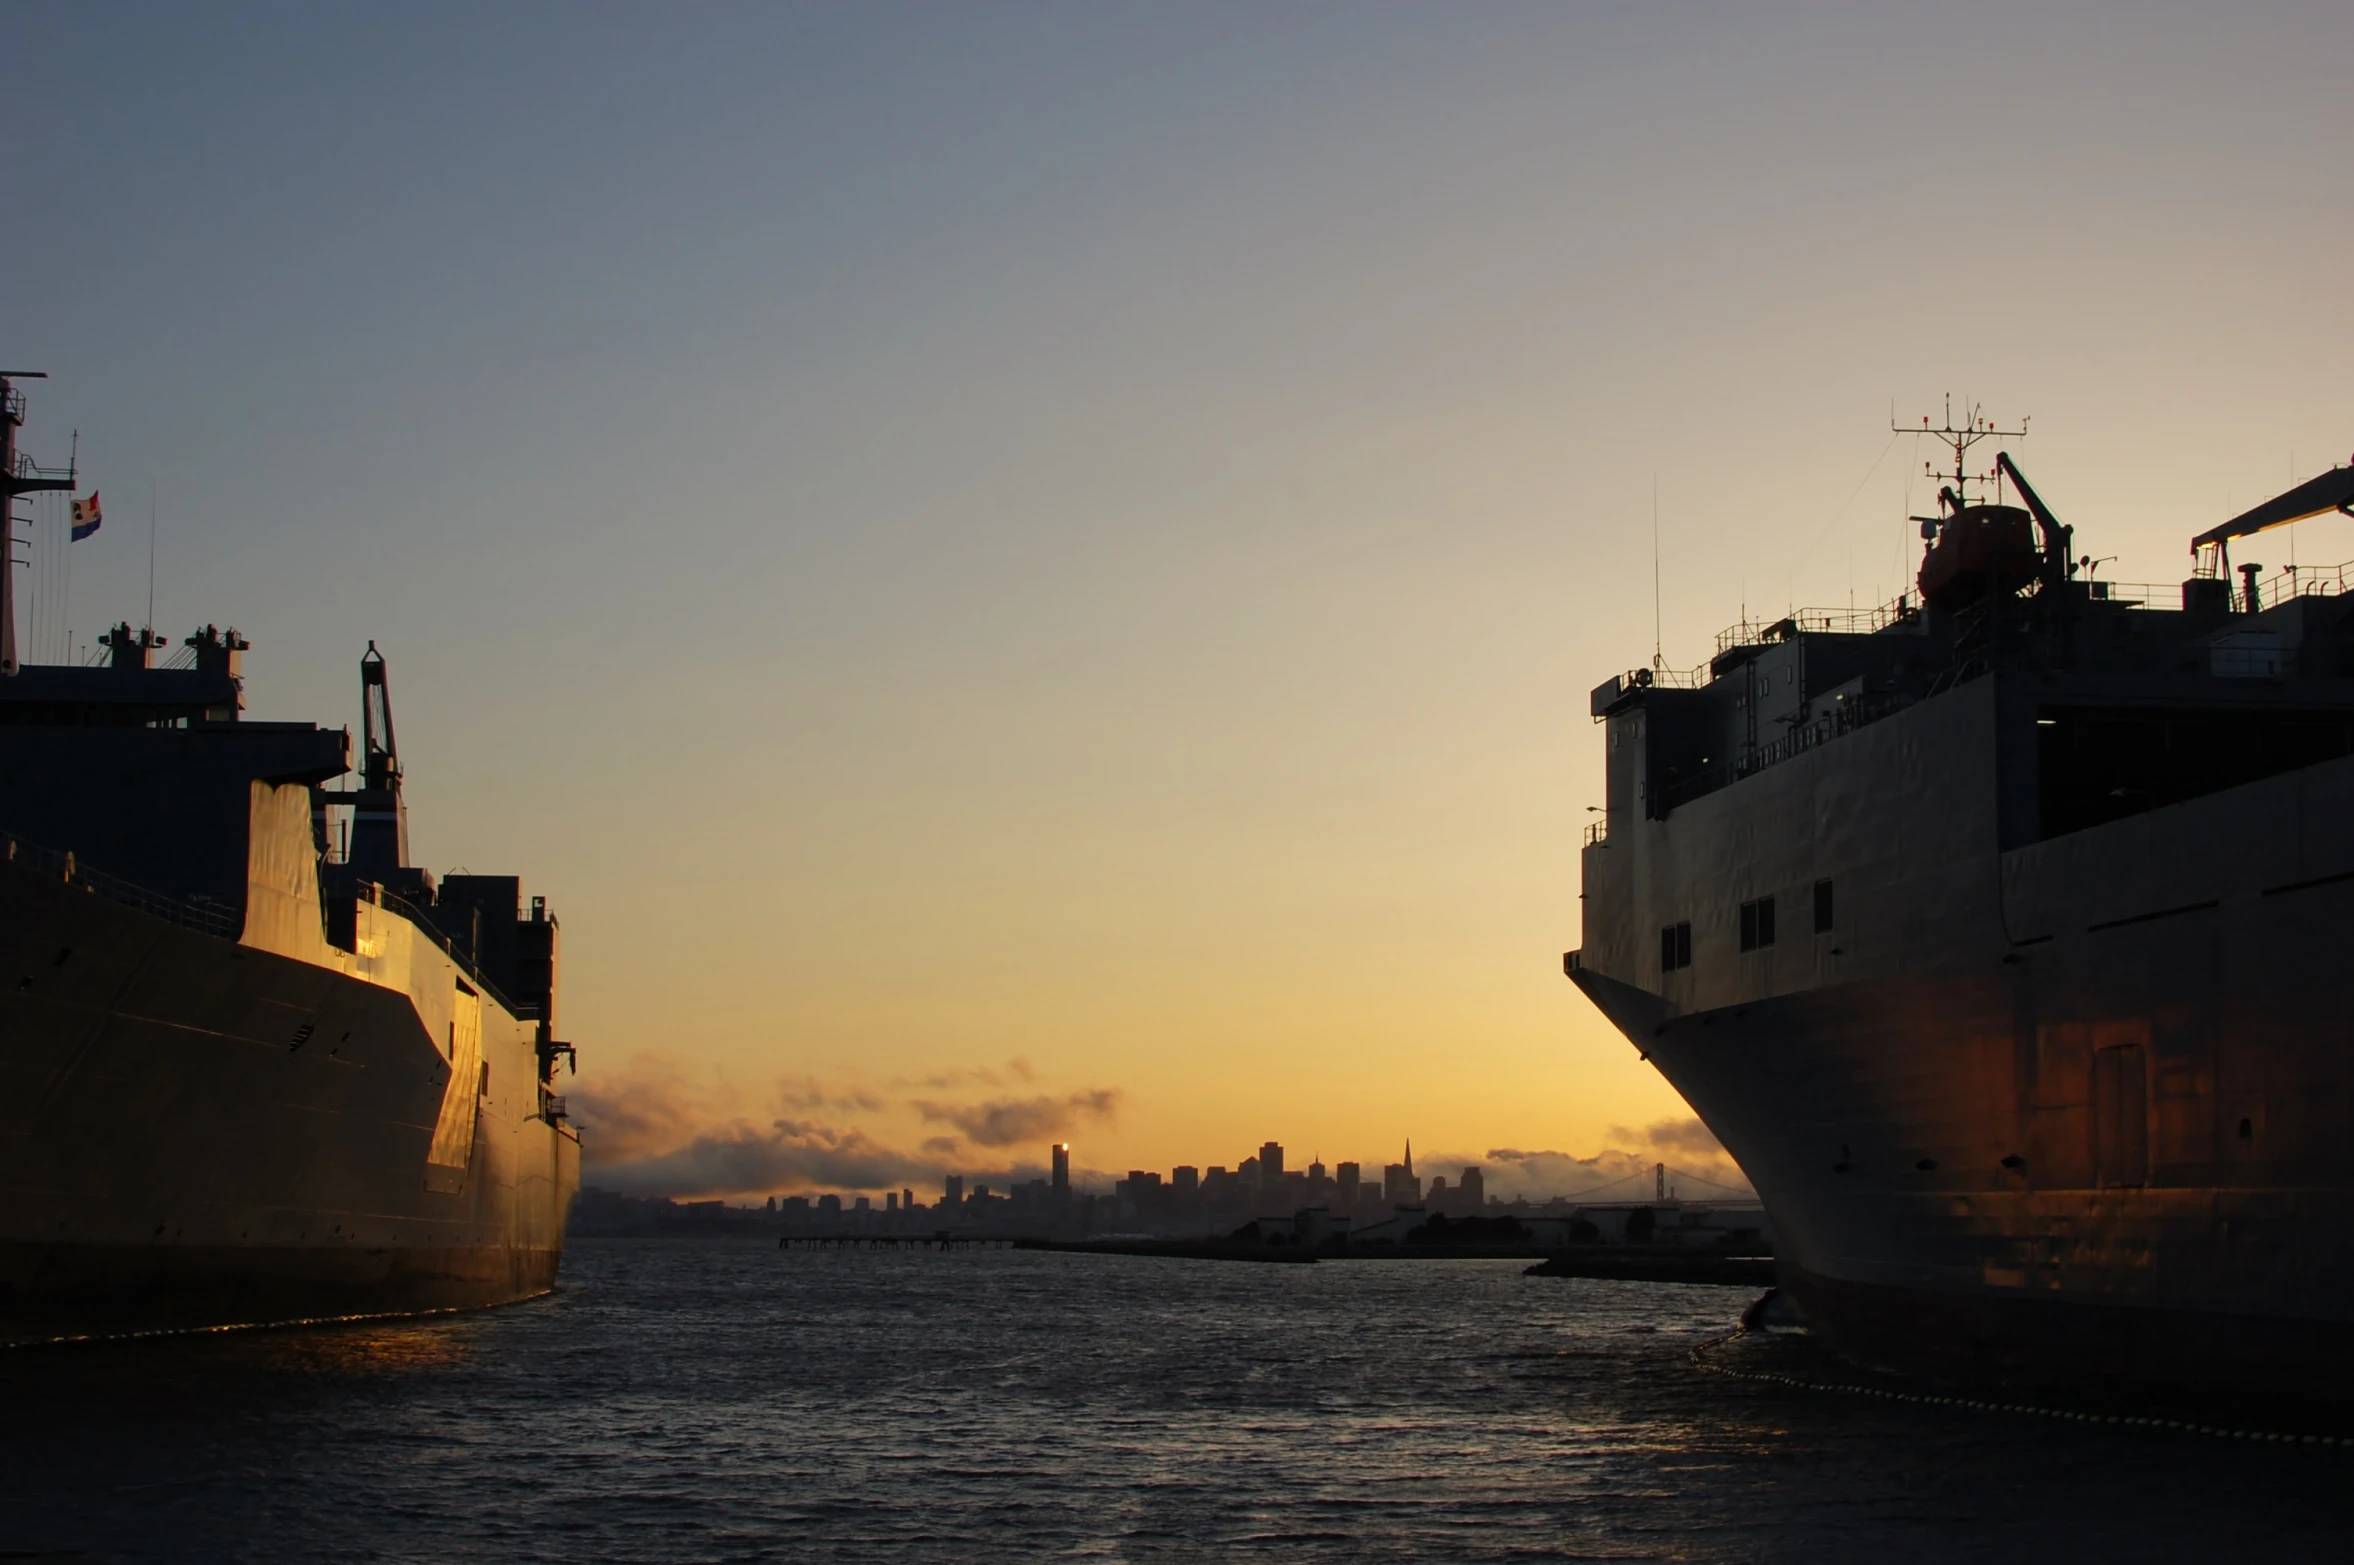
column 1980, row 549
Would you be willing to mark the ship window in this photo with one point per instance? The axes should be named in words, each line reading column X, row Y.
column 1675, row 947
column 1757, row 924
column 2104, row 764
column 1822, row 906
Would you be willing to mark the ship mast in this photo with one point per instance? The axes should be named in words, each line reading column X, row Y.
column 19, row 475
column 1955, row 493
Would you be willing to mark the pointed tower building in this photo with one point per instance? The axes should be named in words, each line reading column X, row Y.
column 1399, row 1187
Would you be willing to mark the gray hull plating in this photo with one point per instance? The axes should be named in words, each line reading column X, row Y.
column 2076, row 1109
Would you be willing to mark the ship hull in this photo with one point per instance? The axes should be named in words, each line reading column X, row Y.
column 2076, row 1113
column 63, row 1292
column 198, row 1132
column 1973, row 1337
column 2195, row 1279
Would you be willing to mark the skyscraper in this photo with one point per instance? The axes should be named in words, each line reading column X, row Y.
column 1474, row 1186
column 1271, row 1163
column 1062, row 1169
column 952, row 1190
column 1345, row 1178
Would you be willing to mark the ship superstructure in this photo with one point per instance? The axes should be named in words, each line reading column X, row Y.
column 254, row 1066
column 1997, row 935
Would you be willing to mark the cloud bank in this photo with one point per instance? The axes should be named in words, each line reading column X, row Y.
column 1005, row 1122
column 1687, row 1135
column 653, row 1128
column 746, row 1159
column 1698, row 1166
column 1016, row 1069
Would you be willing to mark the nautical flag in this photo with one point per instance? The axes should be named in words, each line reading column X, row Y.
column 86, row 517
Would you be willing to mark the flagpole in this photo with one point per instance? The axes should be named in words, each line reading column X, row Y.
column 151, row 556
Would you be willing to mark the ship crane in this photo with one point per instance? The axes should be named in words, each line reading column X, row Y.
column 382, row 767
column 2057, row 566
column 2332, row 491
column 378, row 847
column 380, row 824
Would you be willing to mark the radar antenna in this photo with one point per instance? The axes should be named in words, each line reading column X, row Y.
column 1959, row 438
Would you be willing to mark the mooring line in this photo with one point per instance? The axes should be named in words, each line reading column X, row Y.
column 1701, row 1361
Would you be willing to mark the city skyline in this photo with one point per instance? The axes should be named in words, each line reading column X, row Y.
column 1397, row 1182
column 1263, row 1199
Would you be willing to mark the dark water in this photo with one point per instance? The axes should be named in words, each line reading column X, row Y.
column 722, row 1401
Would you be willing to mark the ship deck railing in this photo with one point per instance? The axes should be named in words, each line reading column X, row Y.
column 1746, row 632
column 2132, row 594
column 1664, row 678
column 393, row 902
column 1802, row 737
column 1845, row 718
column 2304, row 581
column 213, row 918
column 1904, row 612
column 2290, row 581
column 2168, row 595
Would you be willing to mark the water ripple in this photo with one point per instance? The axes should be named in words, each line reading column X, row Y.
column 679, row 1402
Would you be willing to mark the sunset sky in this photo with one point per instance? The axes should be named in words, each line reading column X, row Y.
column 1024, row 572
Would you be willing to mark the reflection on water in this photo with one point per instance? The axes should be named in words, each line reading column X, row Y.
column 376, row 1348
column 238, row 1360
column 708, row 1401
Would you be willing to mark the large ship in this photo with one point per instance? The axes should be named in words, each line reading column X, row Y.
column 1997, row 933
column 254, row 1066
